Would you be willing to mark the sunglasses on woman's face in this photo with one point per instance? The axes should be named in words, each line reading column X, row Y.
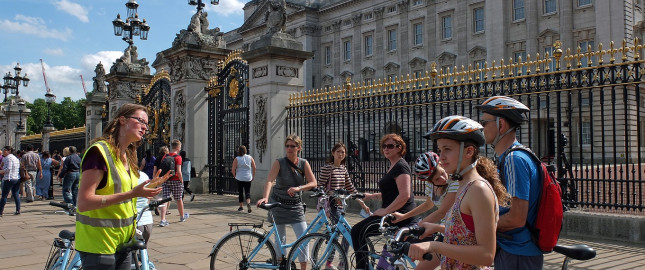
column 389, row 146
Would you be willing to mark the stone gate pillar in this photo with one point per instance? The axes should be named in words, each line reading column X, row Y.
column 191, row 62
column 275, row 71
column 94, row 105
column 128, row 76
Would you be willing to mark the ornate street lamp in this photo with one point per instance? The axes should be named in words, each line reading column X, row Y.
column 132, row 26
column 13, row 82
column 49, row 98
column 5, row 90
column 201, row 5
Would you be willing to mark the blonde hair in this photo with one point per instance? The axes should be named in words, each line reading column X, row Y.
column 66, row 151
column 111, row 135
column 293, row 137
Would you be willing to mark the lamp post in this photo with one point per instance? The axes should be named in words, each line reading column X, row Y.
column 13, row 82
column 201, row 5
column 49, row 98
column 21, row 108
column 132, row 26
column 6, row 89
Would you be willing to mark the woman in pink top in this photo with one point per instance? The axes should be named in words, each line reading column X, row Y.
column 469, row 241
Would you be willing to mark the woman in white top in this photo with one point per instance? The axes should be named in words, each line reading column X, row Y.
column 244, row 171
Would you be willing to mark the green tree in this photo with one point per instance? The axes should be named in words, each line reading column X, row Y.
column 64, row 115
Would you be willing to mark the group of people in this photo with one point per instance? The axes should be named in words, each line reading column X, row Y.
column 28, row 174
column 474, row 204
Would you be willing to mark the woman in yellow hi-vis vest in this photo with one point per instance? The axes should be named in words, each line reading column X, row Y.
column 107, row 188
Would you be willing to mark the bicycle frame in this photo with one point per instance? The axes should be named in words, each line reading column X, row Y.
column 63, row 262
column 319, row 221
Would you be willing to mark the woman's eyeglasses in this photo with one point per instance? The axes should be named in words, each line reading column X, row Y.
column 140, row 121
column 290, row 146
column 389, row 146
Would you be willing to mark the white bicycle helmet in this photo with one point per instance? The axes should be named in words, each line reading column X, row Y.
column 426, row 165
column 506, row 107
column 459, row 128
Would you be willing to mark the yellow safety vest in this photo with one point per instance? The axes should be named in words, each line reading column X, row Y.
column 103, row 230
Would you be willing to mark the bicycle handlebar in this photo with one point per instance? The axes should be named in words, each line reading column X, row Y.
column 405, row 248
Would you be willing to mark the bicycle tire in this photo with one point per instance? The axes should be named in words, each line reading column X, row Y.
column 51, row 262
column 231, row 252
column 337, row 257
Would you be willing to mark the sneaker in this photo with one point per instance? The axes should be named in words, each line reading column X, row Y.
column 248, row 206
column 240, row 209
column 17, row 213
column 330, row 266
column 163, row 223
column 192, row 197
column 186, row 215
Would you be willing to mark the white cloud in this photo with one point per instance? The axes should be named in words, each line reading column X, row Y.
column 73, row 9
column 33, row 26
column 89, row 62
column 226, row 7
column 63, row 80
column 54, row 51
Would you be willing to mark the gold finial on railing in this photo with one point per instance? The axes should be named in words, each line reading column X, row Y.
column 348, row 82
column 470, row 72
column 426, row 79
column 590, row 54
column 612, row 51
column 637, row 49
column 433, row 73
column 625, row 50
column 501, row 68
column 454, row 74
column 578, row 57
column 493, row 70
column 528, row 64
column 378, row 87
column 486, row 69
column 601, row 54
column 568, row 58
column 557, row 53
column 538, row 63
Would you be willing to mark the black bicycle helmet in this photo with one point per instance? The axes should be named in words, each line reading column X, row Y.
column 458, row 128
column 505, row 107
column 426, row 165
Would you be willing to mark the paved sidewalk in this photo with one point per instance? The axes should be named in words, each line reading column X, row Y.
column 25, row 240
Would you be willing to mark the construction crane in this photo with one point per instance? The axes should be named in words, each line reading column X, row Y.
column 45, row 77
column 83, row 82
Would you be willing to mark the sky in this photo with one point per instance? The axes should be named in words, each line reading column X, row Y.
column 73, row 36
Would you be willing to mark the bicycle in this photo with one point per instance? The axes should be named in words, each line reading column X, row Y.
column 252, row 248
column 320, row 258
column 62, row 255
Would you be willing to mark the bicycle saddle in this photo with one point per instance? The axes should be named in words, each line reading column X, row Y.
column 65, row 234
column 132, row 246
column 269, row 206
column 578, row 252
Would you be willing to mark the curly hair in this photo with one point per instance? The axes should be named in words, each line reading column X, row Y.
column 111, row 135
column 486, row 169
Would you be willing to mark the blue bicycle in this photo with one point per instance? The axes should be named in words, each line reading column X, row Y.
column 249, row 246
column 62, row 255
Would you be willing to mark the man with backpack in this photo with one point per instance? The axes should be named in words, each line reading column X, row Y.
column 519, row 173
column 175, row 185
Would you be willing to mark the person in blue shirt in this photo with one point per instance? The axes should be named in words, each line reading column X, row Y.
column 501, row 117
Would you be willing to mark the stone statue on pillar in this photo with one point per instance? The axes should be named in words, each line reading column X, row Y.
column 197, row 33
column 276, row 16
column 129, row 62
column 99, row 79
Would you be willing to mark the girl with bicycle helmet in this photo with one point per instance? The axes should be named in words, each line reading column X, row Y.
column 469, row 241
column 440, row 191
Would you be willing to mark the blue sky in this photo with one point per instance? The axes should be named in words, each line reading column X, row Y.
column 72, row 36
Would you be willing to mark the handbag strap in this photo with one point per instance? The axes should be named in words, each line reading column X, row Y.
column 300, row 171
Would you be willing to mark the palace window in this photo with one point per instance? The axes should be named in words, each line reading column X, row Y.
column 478, row 19
column 347, row 50
column 327, row 55
column 391, row 39
column 369, row 45
column 549, row 6
column 582, row 3
column 518, row 10
column 585, row 132
column 446, row 23
column 418, row 34
column 368, row 16
column 417, row 2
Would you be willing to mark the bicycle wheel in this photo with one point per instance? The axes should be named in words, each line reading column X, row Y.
column 233, row 251
column 53, row 259
column 318, row 257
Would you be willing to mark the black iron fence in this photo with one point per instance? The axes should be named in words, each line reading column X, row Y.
column 586, row 117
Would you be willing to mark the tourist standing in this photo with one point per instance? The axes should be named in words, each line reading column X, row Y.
column 71, row 170
column 174, row 186
column 243, row 170
column 185, row 174
column 10, row 179
column 30, row 162
column 108, row 187
column 45, row 176
column 292, row 175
